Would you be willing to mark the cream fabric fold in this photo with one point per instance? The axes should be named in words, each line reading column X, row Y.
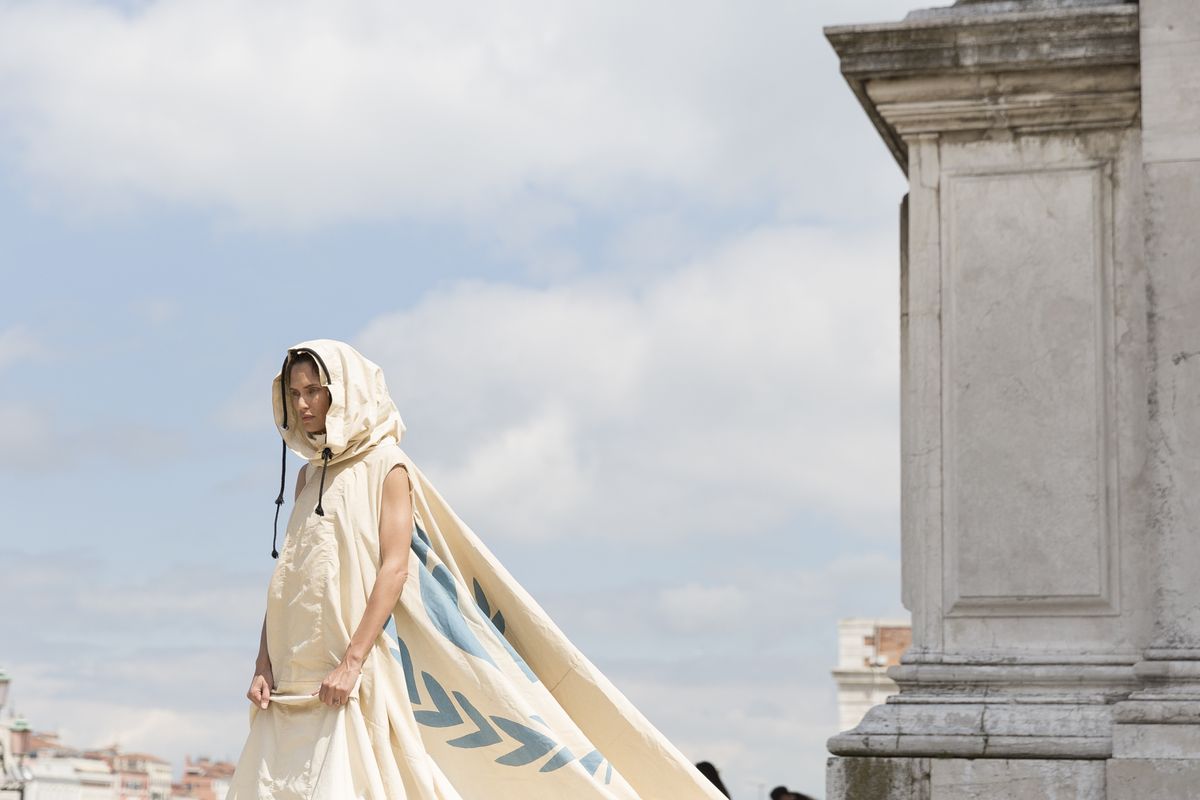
column 470, row 692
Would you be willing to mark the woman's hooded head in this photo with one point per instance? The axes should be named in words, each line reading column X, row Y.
column 361, row 412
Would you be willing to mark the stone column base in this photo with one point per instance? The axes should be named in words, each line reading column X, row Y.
column 1156, row 739
column 853, row 778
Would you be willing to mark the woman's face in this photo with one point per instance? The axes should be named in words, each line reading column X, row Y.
column 311, row 398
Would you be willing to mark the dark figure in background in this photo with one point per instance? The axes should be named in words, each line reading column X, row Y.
column 782, row 793
column 710, row 772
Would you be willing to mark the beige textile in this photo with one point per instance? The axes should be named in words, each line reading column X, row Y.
column 470, row 692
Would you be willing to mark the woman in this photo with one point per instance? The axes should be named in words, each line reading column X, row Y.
column 398, row 659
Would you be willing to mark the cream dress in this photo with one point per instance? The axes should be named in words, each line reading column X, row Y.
column 469, row 692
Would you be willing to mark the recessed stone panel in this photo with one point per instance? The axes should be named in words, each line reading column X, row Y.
column 1026, row 324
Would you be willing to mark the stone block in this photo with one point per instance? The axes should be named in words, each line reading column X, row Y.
column 877, row 779
column 1006, row 779
column 1170, row 80
column 1156, row 741
column 1153, row 779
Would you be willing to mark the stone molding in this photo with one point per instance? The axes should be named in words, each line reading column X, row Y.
column 1001, row 710
column 1161, row 709
column 1019, row 103
column 972, row 729
column 1089, row 682
column 977, row 71
column 963, row 7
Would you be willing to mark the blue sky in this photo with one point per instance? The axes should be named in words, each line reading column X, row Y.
column 630, row 269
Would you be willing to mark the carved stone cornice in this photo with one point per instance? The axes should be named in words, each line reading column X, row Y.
column 1028, row 70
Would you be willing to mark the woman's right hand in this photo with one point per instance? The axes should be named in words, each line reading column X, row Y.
column 261, row 686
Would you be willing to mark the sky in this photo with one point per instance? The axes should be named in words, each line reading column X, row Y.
column 630, row 269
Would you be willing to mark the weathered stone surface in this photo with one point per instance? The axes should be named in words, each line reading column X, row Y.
column 931, row 726
column 1006, row 779
column 1156, row 741
column 977, row 7
column 1170, row 32
column 1023, row 445
column 878, row 778
column 964, row 779
column 1153, row 779
column 1172, row 239
column 1050, row 385
column 1059, row 42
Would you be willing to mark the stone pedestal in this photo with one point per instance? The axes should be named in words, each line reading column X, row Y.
column 1050, row 348
column 1156, row 740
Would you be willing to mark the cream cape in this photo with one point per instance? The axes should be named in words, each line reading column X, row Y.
column 470, row 692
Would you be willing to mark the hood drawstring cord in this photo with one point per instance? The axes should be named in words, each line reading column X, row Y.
column 279, row 500
column 326, row 454
column 283, row 455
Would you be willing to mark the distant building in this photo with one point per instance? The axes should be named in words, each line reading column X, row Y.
column 138, row 776
column 59, row 772
column 866, row 648
column 203, row 780
column 59, row 777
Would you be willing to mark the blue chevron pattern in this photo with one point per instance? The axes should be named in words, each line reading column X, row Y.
column 561, row 759
column 532, row 745
column 484, row 736
column 591, row 761
column 446, row 715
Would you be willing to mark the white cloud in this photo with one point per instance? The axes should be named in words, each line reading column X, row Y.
column 248, row 408
column 18, row 344
column 696, row 607
column 136, row 715
column 499, row 471
column 160, row 662
column 80, row 600
column 752, row 716
column 737, row 393
column 769, row 608
column 744, row 387
column 40, row 440
column 157, row 311
column 685, row 405
column 305, row 113
column 156, row 659
column 736, row 670
column 28, row 433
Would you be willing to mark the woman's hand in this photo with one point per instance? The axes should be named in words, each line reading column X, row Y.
column 261, row 685
column 338, row 684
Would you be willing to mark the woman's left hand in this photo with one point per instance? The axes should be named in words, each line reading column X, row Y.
column 337, row 684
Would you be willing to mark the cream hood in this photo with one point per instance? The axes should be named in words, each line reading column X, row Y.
column 361, row 412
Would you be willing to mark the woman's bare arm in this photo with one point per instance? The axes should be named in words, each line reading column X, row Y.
column 395, row 548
